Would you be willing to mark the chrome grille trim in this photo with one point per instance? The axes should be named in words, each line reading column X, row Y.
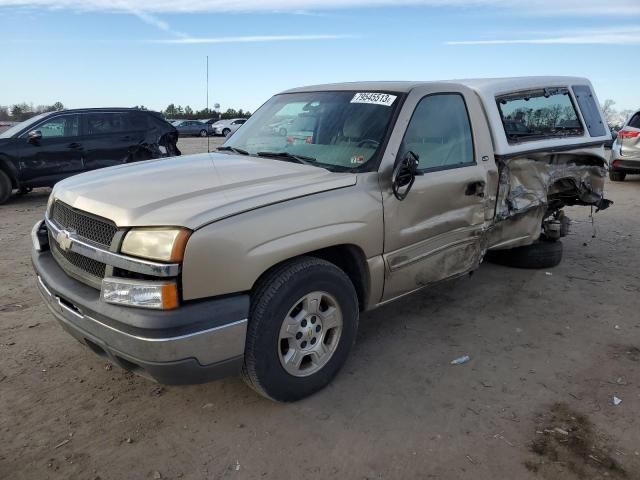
column 81, row 247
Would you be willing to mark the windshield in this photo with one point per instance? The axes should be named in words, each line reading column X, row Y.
column 21, row 126
column 339, row 131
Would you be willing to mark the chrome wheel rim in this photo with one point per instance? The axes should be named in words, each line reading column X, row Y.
column 310, row 334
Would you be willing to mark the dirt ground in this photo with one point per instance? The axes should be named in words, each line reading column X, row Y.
column 549, row 351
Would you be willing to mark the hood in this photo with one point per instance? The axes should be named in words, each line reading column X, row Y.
column 191, row 191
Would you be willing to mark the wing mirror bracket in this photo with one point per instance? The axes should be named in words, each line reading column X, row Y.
column 404, row 175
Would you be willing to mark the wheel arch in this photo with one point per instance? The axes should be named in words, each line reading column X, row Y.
column 347, row 257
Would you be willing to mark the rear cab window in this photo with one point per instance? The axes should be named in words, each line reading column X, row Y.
column 539, row 114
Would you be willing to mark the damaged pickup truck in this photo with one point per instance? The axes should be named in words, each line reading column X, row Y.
column 51, row 146
column 259, row 258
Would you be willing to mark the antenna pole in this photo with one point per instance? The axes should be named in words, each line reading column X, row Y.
column 208, row 136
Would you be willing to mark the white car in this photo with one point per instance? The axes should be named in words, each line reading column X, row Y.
column 227, row 127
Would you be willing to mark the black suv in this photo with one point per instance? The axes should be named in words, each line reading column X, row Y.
column 49, row 147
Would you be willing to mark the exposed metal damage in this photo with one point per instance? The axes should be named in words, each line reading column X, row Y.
column 534, row 189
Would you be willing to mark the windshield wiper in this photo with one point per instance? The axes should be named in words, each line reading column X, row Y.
column 289, row 156
column 227, row 148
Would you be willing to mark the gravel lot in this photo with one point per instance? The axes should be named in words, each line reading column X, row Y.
column 190, row 145
column 549, row 350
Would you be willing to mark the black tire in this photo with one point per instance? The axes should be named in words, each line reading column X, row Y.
column 226, row 132
column 541, row 254
column 616, row 176
column 283, row 132
column 272, row 299
column 5, row 187
column 203, row 133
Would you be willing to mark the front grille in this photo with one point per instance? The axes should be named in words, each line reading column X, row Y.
column 86, row 270
column 88, row 265
column 95, row 229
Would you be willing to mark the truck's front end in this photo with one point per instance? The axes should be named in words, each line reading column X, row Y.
column 118, row 291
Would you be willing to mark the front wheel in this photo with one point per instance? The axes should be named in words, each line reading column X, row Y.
column 226, row 132
column 203, row 133
column 5, row 187
column 302, row 325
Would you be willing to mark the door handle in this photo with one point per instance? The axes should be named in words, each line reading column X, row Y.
column 475, row 188
column 75, row 145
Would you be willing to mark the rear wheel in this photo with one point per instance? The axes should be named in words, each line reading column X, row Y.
column 5, row 187
column 302, row 325
column 541, row 254
column 617, row 176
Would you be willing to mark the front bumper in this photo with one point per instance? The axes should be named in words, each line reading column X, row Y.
column 197, row 342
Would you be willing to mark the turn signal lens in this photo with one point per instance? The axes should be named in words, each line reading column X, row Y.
column 140, row 293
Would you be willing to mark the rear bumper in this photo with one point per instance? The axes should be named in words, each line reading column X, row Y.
column 626, row 167
column 624, row 164
column 195, row 343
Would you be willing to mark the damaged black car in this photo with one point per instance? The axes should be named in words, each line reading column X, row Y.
column 52, row 146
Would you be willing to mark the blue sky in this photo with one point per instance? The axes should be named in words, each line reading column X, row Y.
column 125, row 53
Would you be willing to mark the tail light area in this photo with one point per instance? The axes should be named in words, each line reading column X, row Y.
column 624, row 133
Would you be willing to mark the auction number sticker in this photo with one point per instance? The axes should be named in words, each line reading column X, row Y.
column 374, row 98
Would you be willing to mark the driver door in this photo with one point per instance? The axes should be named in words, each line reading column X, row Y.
column 436, row 231
column 57, row 155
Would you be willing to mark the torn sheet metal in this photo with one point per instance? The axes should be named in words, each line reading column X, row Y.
column 533, row 188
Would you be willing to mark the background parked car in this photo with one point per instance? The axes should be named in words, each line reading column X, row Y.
column 5, row 125
column 281, row 127
column 227, row 127
column 49, row 147
column 625, row 152
column 193, row 127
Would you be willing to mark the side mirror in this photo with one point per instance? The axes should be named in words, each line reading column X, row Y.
column 404, row 175
column 34, row 136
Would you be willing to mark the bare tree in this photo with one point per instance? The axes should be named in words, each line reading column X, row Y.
column 610, row 113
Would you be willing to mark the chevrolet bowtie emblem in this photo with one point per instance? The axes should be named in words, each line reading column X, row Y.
column 63, row 237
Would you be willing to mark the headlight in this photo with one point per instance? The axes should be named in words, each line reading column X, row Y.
column 140, row 293
column 164, row 244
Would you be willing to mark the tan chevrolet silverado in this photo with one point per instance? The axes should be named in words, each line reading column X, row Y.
column 330, row 201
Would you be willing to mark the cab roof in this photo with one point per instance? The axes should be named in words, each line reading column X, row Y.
column 487, row 85
column 487, row 90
